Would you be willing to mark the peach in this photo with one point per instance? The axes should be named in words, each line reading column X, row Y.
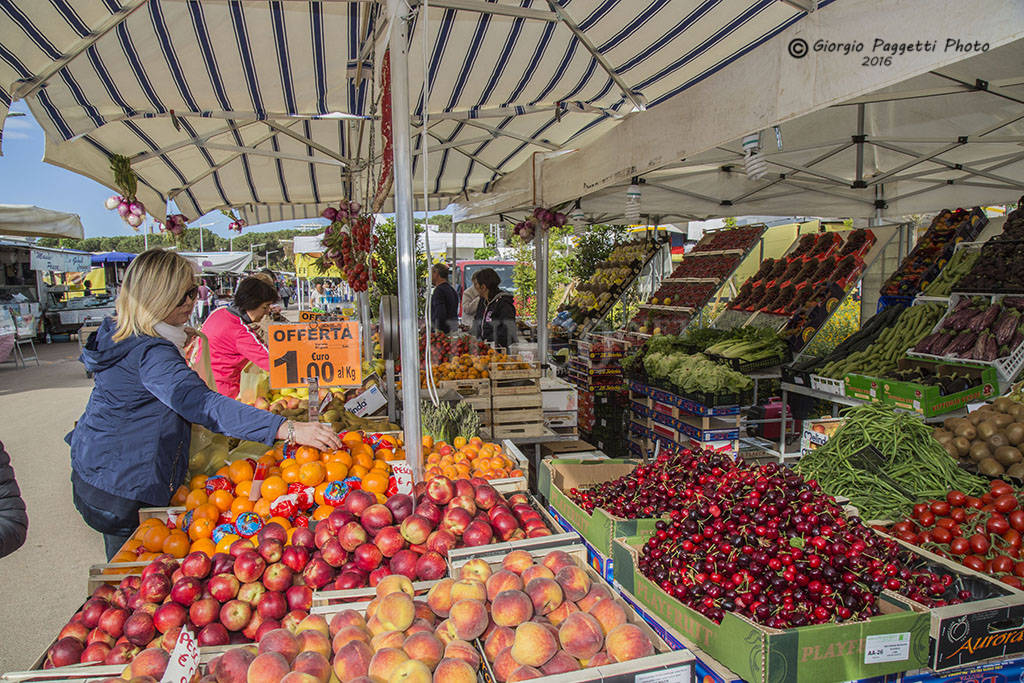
column 371, row 608
column 600, row 659
column 347, row 635
column 269, row 667
column 454, row 671
column 628, row 641
column 609, row 614
column 396, row 611
column 502, row 580
column 533, row 644
column 574, row 582
column 352, row 660
column 426, row 647
column 525, row 673
column 151, row 662
column 561, row 663
column 299, row 677
column 445, row 631
column 546, row 595
column 392, row 639
column 424, row 612
column 476, row 569
column 468, row 619
column 497, row 640
column 232, row 666
column 375, row 627
column 314, row 641
column 384, row 663
column 314, row 664
column 511, row 608
column 395, row 583
column 440, row 597
column 348, row 617
column 597, row 592
column 411, row 671
column 468, row 589
column 314, row 622
column 558, row 615
column 537, row 571
column 581, row 635
column 419, row 626
column 517, row 562
column 557, row 559
column 460, row 649
column 282, row 641
column 504, row 665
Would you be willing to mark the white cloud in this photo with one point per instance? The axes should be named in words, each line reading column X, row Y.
column 15, row 135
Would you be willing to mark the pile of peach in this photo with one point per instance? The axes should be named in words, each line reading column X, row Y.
column 464, row 459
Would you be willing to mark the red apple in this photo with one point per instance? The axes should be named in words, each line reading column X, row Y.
column 98, row 635
column 74, row 629
column 242, row 545
column 352, row 535
column 477, row 533
column 104, row 591
column 376, row 517
column 367, row 557
column 224, row 587
column 303, row 537
column 253, row 627
column 251, row 593
column 486, row 497
column 295, row 557
column 456, row 520
column 415, row 529
column 235, row 615
column 389, row 541
column 120, row 598
column 92, row 610
column 441, row 541
column 169, row 615
column 337, row 520
column 504, row 525
column 272, row 605
column 267, row 626
column 64, row 652
column 130, row 583
column 249, row 566
column 400, row 506
column 292, row 620
column 348, row 580
column 222, row 563
column 358, row 500
column 404, row 562
column 277, row 577
column 214, row 634
column 270, row 550
column 464, row 487
column 139, row 629
column 96, row 652
column 122, row 653
column 430, row 566
column 274, row 531
column 112, row 621
column 317, row 573
column 440, row 490
column 197, row 565
column 186, row 590
column 299, row 598
column 204, row 611
column 429, row 511
column 322, row 535
column 377, row 574
column 154, row 588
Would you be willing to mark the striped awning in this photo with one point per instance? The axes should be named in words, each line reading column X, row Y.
column 271, row 104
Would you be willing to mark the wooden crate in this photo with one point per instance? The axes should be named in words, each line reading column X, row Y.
column 467, row 387
column 515, row 370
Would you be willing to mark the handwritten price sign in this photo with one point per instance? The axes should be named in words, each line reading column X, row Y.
column 184, row 661
column 328, row 351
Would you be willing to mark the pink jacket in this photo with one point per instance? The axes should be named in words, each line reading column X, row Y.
column 232, row 346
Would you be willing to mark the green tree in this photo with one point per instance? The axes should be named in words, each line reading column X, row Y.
column 593, row 247
column 524, row 273
column 385, row 254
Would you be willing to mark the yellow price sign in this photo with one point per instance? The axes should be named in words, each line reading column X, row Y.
column 328, row 351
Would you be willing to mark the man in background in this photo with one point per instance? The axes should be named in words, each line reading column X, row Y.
column 444, row 302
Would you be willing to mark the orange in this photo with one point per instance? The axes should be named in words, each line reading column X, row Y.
column 240, row 470
column 322, row 512
column 312, row 473
column 262, row 508
column 201, row 528
column 197, row 482
column 428, row 442
column 292, row 474
column 176, row 544
column 459, row 441
column 306, row 454
column 146, row 557
column 267, row 459
column 123, row 556
column 179, row 496
column 362, row 455
column 375, row 482
column 195, row 498
column 352, row 438
column 240, row 505
column 358, row 471
column 450, row 472
column 154, row 537
column 272, row 487
column 285, row 524
column 338, row 456
column 204, row 545
column 318, row 493
column 335, row 471
column 383, row 453
column 222, row 499
column 381, row 465
column 132, row 544
column 151, row 521
column 273, row 471
column 206, row 511
column 224, row 544
column 223, row 471
column 243, row 489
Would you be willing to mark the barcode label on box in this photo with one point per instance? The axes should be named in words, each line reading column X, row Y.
column 677, row 674
column 891, row 647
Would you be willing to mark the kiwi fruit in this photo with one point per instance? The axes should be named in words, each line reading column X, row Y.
column 951, row 449
column 1002, row 419
column 986, row 429
column 997, row 440
column 990, row 467
column 963, row 446
column 979, row 451
column 977, row 416
column 966, row 430
column 1014, row 433
column 950, row 423
column 1007, row 455
column 1016, row 471
column 1017, row 411
column 1003, row 404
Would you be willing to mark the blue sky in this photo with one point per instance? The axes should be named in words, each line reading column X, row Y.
column 25, row 179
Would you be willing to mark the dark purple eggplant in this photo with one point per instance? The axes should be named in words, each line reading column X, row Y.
column 991, row 352
column 925, row 344
column 985, row 320
column 940, row 346
column 1006, row 325
column 964, row 343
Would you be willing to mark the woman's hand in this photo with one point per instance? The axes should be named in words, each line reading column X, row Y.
column 317, row 434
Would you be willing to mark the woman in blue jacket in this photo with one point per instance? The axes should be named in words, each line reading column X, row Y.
column 130, row 449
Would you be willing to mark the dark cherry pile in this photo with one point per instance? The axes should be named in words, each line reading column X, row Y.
column 762, row 542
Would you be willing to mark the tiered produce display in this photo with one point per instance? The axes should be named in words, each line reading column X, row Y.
column 934, row 250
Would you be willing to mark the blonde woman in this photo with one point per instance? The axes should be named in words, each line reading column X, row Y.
column 130, row 448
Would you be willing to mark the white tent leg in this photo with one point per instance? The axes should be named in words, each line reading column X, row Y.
column 541, row 255
column 406, row 242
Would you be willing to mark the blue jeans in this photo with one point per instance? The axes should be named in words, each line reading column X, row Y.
column 116, row 525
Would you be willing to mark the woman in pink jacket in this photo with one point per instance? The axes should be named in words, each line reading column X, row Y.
column 233, row 344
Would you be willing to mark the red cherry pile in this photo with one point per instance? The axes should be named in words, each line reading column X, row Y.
column 761, row 542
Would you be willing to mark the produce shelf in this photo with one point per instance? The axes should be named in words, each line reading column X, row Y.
column 660, row 307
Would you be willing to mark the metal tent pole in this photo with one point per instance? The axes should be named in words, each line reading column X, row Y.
column 406, row 240
column 541, row 244
column 363, row 298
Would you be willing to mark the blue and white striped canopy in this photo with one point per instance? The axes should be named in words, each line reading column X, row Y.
column 271, row 105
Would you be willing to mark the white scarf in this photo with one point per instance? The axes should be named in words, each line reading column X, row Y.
column 174, row 334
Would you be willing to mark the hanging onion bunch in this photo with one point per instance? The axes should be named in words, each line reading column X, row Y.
column 541, row 220
column 347, row 242
column 236, row 223
column 127, row 206
column 175, row 223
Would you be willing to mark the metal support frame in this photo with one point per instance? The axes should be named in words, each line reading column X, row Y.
column 406, row 236
column 363, row 299
column 493, row 8
column 541, row 255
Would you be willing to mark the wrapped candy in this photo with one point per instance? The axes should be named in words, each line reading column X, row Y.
column 248, row 524
column 218, row 483
column 225, row 517
column 185, row 521
column 222, row 530
column 334, row 494
column 285, row 506
column 301, row 521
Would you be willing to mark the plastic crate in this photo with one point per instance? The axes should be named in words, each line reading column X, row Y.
column 827, row 385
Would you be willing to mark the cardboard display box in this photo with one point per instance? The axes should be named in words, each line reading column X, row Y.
column 892, row 642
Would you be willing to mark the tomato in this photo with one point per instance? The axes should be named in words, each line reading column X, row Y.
column 945, row 522
column 989, row 508
column 926, row 518
column 919, row 510
column 941, row 534
column 955, row 498
column 979, row 543
column 987, row 498
column 1018, row 569
column 1002, row 564
column 1005, row 503
column 908, row 537
column 1011, row 581
column 958, row 515
column 924, row 537
column 972, row 502
column 959, row 546
column 941, row 508
column 999, row 487
column 973, row 562
column 1017, row 520
column 900, row 527
column 1012, row 536
column 997, row 525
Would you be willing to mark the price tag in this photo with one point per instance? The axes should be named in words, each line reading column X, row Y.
column 184, row 661
column 890, row 647
column 326, row 351
column 403, row 476
column 677, row 674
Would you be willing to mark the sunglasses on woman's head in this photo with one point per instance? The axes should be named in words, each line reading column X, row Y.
column 192, row 293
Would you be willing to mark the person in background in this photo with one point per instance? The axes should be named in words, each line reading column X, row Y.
column 495, row 318
column 13, row 518
column 444, row 302
column 470, row 300
column 88, row 289
column 130, row 448
column 285, row 292
column 317, row 297
column 233, row 342
column 204, row 301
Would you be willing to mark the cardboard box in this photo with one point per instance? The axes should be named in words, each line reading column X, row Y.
column 367, row 403
column 558, row 396
column 602, row 564
column 892, row 642
column 599, row 528
column 1004, row 671
column 817, row 433
column 564, row 448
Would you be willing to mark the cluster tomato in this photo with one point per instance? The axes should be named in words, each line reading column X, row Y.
column 983, row 534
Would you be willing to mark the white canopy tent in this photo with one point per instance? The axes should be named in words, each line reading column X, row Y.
column 24, row 220
column 220, row 261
